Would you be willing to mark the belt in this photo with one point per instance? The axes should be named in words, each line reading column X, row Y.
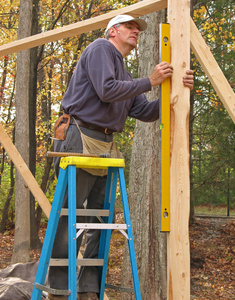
column 94, row 127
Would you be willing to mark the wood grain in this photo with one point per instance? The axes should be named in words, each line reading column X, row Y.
column 178, row 238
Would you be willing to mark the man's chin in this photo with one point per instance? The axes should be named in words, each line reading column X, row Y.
column 133, row 44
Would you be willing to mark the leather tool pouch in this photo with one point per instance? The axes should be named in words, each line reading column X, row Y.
column 61, row 127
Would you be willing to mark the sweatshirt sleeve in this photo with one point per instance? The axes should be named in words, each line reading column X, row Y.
column 144, row 110
column 100, row 66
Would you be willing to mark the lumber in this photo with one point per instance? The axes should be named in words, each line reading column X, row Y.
column 24, row 171
column 136, row 10
column 65, row 154
column 178, row 253
column 212, row 70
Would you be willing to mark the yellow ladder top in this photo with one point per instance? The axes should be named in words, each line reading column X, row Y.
column 91, row 162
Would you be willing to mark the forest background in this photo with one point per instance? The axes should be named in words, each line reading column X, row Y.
column 212, row 134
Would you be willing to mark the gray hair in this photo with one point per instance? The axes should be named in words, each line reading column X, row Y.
column 108, row 35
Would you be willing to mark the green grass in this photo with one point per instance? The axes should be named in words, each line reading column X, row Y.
column 213, row 210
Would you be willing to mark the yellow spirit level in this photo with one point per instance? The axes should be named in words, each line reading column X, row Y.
column 165, row 132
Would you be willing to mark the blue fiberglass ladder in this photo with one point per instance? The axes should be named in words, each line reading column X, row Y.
column 67, row 176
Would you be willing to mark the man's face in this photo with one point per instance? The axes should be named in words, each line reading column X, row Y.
column 128, row 33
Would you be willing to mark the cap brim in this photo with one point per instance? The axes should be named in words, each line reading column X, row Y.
column 126, row 18
column 142, row 24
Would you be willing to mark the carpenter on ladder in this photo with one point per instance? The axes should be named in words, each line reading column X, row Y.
column 99, row 98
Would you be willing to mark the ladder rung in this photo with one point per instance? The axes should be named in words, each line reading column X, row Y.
column 80, row 262
column 87, row 212
column 51, row 290
column 100, row 226
column 119, row 288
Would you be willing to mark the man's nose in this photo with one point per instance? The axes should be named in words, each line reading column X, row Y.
column 136, row 30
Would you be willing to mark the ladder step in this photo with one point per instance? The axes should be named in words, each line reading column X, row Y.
column 119, row 288
column 100, row 226
column 87, row 212
column 51, row 290
column 80, row 262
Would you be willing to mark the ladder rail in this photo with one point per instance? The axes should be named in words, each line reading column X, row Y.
column 130, row 235
column 50, row 234
column 106, row 234
column 106, row 207
column 72, row 245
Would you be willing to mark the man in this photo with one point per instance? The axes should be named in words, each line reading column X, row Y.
column 99, row 98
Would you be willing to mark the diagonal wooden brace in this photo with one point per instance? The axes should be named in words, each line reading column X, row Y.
column 25, row 172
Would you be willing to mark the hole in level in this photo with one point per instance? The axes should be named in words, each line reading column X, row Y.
column 165, row 214
column 165, row 39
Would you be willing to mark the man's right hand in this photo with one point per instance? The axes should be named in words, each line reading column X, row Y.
column 160, row 73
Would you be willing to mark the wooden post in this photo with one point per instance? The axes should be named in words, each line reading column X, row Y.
column 178, row 238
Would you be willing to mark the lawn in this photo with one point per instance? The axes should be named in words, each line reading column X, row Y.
column 211, row 210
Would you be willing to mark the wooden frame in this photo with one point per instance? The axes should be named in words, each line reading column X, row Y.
column 183, row 33
column 139, row 9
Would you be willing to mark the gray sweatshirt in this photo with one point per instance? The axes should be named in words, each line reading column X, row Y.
column 103, row 93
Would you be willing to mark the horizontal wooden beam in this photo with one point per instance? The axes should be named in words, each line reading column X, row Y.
column 136, row 10
column 212, row 70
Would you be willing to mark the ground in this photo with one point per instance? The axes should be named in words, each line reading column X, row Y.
column 213, row 258
column 212, row 250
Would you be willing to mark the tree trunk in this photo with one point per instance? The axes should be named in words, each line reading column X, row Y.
column 34, row 239
column 2, row 165
column 8, row 201
column 191, row 121
column 150, row 244
column 21, row 250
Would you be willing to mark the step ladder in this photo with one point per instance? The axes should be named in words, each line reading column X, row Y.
column 67, row 176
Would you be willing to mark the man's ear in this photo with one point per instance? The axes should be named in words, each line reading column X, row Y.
column 112, row 32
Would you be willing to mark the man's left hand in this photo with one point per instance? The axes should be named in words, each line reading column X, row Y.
column 188, row 79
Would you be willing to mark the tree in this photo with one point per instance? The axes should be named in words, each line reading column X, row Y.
column 213, row 139
column 35, row 217
column 150, row 244
column 7, row 72
column 22, row 200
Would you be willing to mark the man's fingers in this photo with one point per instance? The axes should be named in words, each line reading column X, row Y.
column 189, row 72
column 188, row 79
column 166, row 66
column 166, row 70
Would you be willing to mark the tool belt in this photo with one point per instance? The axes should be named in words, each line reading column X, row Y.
column 93, row 146
column 61, row 127
column 94, row 127
column 90, row 145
